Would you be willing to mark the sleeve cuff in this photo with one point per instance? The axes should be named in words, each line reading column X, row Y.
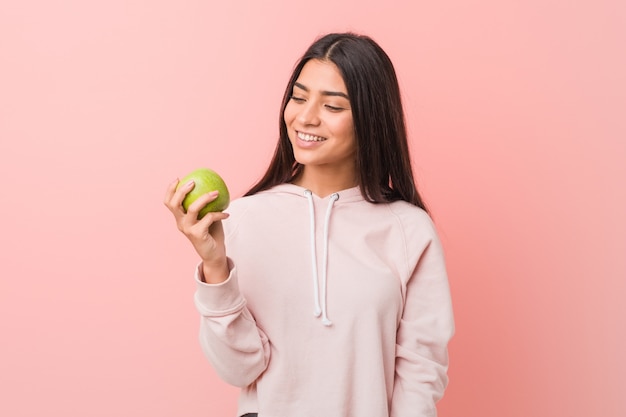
column 218, row 299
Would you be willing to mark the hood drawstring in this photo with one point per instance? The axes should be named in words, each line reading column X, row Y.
column 320, row 300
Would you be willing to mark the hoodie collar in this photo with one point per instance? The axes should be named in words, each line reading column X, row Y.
column 348, row 195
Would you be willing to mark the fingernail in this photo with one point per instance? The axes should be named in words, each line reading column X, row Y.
column 189, row 183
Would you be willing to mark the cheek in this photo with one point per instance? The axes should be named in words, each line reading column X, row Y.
column 346, row 129
column 288, row 114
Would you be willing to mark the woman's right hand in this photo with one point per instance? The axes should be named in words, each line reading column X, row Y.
column 206, row 235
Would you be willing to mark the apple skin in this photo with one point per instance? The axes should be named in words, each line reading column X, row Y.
column 206, row 180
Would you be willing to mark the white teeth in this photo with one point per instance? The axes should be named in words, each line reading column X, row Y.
column 310, row 138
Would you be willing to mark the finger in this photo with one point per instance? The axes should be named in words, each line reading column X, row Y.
column 202, row 201
column 169, row 193
column 179, row 195
column 208, row 225
column 211, row 218
column 188, row 220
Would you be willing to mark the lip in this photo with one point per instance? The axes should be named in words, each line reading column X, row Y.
column 307, row 144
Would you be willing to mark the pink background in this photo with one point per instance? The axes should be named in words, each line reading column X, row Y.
column 517, row 116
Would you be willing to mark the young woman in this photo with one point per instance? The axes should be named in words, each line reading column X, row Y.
column 323, row 291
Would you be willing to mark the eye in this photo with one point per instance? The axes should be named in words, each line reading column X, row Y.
column 297, row 99
column 334, row 108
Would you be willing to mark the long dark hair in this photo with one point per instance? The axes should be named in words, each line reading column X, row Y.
column 383, row 163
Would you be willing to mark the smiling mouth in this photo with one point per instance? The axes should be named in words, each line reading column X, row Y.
column 310, row 138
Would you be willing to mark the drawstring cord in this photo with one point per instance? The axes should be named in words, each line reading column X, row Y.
column 332, row 200
column 320, row 307
column 316, row 291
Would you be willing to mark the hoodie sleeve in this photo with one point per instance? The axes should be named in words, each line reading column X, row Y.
column 425, row 329
column 230, row 339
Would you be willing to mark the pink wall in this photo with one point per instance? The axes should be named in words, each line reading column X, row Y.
column 517, row 117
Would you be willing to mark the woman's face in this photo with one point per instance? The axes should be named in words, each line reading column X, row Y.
column 319, row 118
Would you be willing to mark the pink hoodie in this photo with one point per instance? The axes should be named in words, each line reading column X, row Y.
column 334, row 307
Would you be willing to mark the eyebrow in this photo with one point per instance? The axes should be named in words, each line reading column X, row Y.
column 324, row 93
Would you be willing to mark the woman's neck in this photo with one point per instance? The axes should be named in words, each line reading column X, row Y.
column 323, row 182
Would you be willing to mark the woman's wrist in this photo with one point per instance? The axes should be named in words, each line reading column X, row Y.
column 215, row 272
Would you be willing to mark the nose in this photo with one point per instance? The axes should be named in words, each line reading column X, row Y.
column 309, row 114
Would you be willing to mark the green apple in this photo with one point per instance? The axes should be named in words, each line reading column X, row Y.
column 206, row 180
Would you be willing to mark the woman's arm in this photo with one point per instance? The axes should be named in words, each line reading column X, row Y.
column 238, row 351
column 236, row 348
column 426, row 327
